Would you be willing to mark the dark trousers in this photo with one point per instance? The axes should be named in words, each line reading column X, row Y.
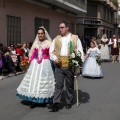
column 8, row 63
column 62, row 74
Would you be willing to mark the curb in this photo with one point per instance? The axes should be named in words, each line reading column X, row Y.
column 10, row 75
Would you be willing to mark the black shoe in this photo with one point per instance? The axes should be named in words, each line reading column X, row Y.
column 54, row 107
column 68, row 106
column 49, row 106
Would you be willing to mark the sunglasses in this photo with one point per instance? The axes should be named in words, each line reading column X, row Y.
column 62, row 27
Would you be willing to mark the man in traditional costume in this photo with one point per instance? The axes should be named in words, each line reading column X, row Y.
column 59, row 52
column 114, row 48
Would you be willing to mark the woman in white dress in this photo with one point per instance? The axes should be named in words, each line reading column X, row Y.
column 38, row 84
column 105, row 54
column 91, row 68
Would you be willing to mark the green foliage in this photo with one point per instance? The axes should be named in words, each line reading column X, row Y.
column 98, row 60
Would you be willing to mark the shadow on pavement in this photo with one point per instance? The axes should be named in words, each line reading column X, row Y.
column 83, row 97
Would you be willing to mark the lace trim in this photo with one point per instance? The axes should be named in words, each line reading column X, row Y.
column 38, row 84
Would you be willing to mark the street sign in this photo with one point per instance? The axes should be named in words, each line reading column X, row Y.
column 102, row 28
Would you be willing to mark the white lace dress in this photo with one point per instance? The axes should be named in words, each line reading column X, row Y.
column 91, row 67
column 105, row 54
column 38, row 84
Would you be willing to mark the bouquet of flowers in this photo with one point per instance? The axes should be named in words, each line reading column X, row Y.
column 75, row 60
column 25, row 64
column 98, row 60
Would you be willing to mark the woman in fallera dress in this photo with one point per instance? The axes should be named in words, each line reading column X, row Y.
column 105, row 54
column 38, row 84
column 91, row 68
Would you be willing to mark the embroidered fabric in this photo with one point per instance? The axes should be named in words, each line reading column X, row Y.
column 39, row 81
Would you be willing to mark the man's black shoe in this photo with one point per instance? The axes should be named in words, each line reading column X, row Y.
column 54, row 107
column 49, row 106
column 68, row 106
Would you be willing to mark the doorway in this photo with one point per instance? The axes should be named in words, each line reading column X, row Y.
column 92, row 32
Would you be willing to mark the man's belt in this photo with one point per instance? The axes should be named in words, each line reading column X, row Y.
column 63, row 61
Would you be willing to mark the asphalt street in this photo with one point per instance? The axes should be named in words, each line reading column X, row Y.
column 99, row 99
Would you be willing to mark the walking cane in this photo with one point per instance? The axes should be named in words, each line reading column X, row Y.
column 76, row 81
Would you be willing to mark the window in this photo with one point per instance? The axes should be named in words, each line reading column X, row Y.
column 91, row 10
column 103, row 31
column 104, row 14
column 107, row 15
column 110, row 34
column 111, row 17
column 13, row 30
column 38, row 22
column 107, row 32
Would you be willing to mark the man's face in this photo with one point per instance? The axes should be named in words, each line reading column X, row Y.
column 114, row 36
column 63, row 29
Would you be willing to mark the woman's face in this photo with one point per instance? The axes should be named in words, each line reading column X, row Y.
column 41, row 35
column 104, row 37
column 92, row 45
column 24, row 45
column 12, row 48
column 9, row 48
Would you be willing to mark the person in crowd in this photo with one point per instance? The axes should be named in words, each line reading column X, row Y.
column 8, row 63
column 25, row 49
column 87, row 42
column 30, row 45
column 92, row 67
column 98, row 40
column 114, row 48
column 83, row 41
column 12, row 48
column 105, row 54
column 19, row 54
column 13, row 54
column 59, row 52
column 19, row 51
column 38, row 84
column 1, row 58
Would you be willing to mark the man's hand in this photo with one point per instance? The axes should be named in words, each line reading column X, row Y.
column 57, row 60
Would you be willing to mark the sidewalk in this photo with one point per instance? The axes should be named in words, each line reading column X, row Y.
column 11, row 75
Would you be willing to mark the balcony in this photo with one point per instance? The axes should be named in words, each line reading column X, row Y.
column 115, row 2
column 110, row 3
column 75, row 6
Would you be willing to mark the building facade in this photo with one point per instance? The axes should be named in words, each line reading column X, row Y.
column 119, row 19
column 101, row 18
column 19, row 20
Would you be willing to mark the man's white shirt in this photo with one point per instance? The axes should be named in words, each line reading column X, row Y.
column 64, row 47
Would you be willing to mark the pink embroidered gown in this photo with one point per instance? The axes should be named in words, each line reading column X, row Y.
column 38, row 84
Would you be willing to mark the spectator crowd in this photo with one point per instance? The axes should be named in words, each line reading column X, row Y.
column 12, row 56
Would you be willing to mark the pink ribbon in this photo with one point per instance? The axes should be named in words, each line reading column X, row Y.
column 45, row 55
